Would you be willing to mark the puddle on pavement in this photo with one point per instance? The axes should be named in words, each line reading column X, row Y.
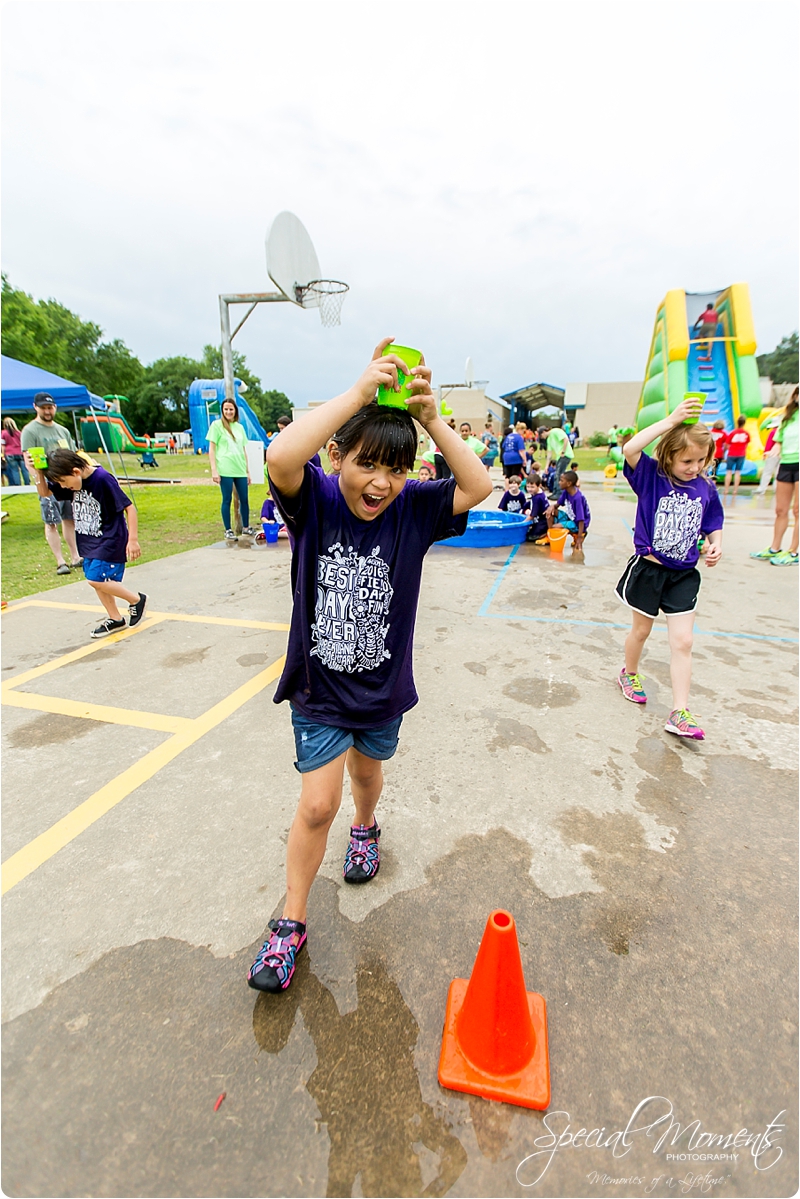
column 365, row 1084
column 186, row 657
column 49, row 729
column 541, row 693
column 331, row 1088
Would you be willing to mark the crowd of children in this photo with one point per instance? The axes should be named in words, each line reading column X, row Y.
column 359, row 536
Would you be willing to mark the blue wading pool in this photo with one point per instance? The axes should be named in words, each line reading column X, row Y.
column 487, row 529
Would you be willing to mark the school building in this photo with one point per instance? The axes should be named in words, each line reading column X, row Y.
column 595, row 407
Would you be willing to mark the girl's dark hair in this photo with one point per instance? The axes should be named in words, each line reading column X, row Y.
column 791, row 408
column 379, row 434
column 741, row 422
column 61, row 463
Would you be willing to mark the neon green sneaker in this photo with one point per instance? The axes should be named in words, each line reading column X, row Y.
column 768, row 554
column 785, row 558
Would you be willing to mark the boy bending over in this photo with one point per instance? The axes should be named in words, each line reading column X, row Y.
column 361, row 534
column 106, row 529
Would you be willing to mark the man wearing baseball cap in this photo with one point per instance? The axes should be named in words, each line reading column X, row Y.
column 43, row 431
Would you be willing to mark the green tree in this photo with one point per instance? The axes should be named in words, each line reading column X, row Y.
column 44, row 333
column 161, row 401
column 782, row 364
column 267, row 405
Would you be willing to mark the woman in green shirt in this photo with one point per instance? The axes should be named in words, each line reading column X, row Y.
column 786, row 489
column 226, row 454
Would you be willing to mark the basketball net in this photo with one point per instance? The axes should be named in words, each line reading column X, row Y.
column 327, row 295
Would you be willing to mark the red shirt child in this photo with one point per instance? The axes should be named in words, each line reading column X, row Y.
column 737, row 443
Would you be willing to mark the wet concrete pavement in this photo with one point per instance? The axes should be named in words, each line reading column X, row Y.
column 654, row 884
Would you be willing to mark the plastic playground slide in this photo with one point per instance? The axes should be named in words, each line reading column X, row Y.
column 117, row 434
column 724, row 368
column 205, row 397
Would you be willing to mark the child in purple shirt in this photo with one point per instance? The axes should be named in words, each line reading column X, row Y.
column 539, row 506
column 571, row 509
column 514, row 500
column 106, row 530
column 360, row 538
column 677, row 505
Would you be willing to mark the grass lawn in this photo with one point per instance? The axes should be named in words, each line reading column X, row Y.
column 170, row 466
column 171, row 520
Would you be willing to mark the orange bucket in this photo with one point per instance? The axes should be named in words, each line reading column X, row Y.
column 557, row 537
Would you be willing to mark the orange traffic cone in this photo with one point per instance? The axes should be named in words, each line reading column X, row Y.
column 495, row 1033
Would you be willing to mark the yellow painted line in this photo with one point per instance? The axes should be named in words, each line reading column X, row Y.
column 76, row 654
column 32, row 603
column 189, row 619
column 43, row 847
column 224, row 620
column 101, row 712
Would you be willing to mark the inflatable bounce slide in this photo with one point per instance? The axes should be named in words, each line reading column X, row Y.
column 705, row 342
column 117, row 435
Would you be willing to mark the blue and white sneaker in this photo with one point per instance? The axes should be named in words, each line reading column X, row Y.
column 275, row 961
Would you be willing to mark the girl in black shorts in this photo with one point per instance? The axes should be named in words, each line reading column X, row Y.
column 677, row 504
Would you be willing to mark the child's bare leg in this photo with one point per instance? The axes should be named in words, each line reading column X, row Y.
column 68, row 529
column 52, row 538
column 320, row 798
column 726, row 488
column 737, row 478
column 108, row 591
column 680, row 633
column 634, row 643
column 366, row 783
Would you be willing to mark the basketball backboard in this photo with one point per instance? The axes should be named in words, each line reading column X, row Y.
column 469, row 373
column 291, row 259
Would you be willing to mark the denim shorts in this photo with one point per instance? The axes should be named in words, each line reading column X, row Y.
column 54, row 511
column 734, row 464
column 317, row 745
column 98, row 571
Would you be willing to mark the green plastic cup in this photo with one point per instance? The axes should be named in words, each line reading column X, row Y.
column 694, row 395
column 399, row 399
column 39, row 457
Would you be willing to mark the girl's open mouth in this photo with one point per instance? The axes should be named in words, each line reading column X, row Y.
column 372, row 502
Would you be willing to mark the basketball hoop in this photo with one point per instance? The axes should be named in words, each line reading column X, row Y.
column 327, row 295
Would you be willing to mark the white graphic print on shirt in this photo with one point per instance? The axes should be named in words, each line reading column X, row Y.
column 569, row 511
column 353, row 596
column 87, row 514
column 676, row 527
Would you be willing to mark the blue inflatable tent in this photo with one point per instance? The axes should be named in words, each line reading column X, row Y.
column 205, row 398
column 20, row 383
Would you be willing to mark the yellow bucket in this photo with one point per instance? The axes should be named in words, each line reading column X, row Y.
column 557, row 536
column 611, row 471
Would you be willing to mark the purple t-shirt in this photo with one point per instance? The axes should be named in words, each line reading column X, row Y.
column 101, row 530
column 513, row 449
column 268, row 510
column 575, row 507
column 539, row 504
column 356, row 586
column 514, row 503
column 671, row 516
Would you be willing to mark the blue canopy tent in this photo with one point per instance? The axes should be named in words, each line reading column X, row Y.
column 20, row 383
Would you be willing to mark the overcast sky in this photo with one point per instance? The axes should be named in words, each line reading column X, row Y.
column 520, row 183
